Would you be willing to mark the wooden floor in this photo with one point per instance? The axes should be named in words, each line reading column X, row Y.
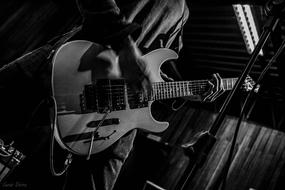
column 258, row 160
column 257, row 163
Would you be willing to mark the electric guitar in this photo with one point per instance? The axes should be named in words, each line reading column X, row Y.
column 93, row 113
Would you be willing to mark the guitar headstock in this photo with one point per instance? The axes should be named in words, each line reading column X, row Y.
column 248, row 84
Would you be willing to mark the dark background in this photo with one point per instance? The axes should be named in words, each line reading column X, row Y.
column 212, row 43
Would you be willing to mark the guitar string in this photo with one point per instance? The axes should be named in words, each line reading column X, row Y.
column 135, row 97
column 161, row 90
column 170, row 85
column 157, row 86
column 196, row 85
column 165, row 88
column 120, row 90
column 170, row 93
column 196, row 82
column 178, row 92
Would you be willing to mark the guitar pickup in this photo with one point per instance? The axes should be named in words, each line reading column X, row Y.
column 102, row 95
column 94, row 124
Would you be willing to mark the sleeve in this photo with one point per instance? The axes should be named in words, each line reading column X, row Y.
column 103, row 23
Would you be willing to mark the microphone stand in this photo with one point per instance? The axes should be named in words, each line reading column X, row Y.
column 245, row 108
column 209, row 135
column 275, row 9
column 263, row 39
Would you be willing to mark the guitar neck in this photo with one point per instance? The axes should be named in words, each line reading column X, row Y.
column 167, row 90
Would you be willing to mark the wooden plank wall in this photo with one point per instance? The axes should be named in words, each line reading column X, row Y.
column 257, row 163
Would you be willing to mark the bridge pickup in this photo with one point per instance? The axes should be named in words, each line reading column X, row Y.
column 113, row 121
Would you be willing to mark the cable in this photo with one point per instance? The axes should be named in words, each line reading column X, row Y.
column 95, row 130
column 68, row 160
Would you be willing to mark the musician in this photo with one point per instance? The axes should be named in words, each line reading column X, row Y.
column 126, row 29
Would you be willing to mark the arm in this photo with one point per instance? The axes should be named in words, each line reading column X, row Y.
column 103, row 23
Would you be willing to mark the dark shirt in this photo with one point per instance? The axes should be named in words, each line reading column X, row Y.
column 151, row 23
column 24, row 82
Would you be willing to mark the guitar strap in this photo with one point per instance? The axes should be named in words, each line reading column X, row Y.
column 59, row 40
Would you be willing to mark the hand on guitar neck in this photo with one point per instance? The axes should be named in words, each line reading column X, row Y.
column 134, row 68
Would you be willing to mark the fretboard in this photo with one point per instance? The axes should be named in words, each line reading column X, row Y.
column 167, row 90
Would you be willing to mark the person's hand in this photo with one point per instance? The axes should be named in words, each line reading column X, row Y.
column 124, row 62
column 134, row 68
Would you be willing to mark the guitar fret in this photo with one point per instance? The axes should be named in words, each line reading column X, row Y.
column 184, row 91
column 178, row 90
column 187, row 89
column 166, row 90
column 160, row 91
column 229, row 83
column 163, row 90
